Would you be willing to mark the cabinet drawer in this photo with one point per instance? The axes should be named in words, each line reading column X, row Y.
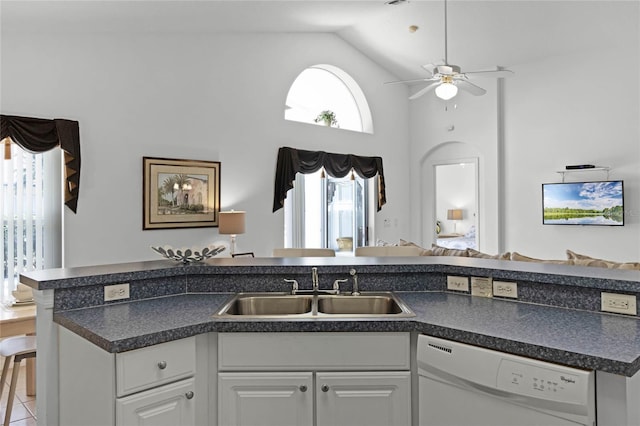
column 145, row 368
column 313, row 351
column 172, row 404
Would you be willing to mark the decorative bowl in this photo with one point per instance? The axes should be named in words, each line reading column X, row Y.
column 188, row 255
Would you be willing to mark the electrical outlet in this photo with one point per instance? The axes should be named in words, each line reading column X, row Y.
column 116, row 292
column 618, row 303
column 457, row 283
column 505, row 289
column 481, row 286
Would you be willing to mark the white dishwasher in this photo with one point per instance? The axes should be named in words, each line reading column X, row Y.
column 460, row 384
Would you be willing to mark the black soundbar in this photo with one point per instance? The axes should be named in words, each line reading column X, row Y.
column 580, row 166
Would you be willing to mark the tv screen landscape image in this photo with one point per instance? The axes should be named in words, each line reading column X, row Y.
column 583, row 203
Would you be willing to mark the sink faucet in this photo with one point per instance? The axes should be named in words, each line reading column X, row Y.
column 294, row 285
column 356, row 290
column 314, row 279
column 336, row 285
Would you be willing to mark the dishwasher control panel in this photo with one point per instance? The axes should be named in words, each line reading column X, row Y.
column 542, row 382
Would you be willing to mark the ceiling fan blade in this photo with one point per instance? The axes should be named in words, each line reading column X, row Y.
column 424, row 90
column 470, row 87
column 418, row 80
column 492, row 74
column 429, row 68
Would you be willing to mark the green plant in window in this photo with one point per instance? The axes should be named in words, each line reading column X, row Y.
column 328, row 117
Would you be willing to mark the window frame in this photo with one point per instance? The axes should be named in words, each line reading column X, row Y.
column 50, row 243
column 295, row 220
column 354, row 89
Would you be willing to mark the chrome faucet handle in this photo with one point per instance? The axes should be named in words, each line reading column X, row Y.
column 356, row 290
column 314, row 278
column 336, row 285
column 294, row 285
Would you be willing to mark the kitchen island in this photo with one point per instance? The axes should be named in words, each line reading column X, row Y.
column 556, row 317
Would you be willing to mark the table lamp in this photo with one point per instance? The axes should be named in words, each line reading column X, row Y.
column 231, row 223
column 455, row 215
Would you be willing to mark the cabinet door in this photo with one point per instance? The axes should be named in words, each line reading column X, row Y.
column 168, row 405
column 265, row 399
column 364, row 398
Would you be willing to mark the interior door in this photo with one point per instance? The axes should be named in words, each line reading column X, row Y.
column 456, row 204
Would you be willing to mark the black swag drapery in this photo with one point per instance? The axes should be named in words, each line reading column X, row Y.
column 292, row 161
column 39, row 135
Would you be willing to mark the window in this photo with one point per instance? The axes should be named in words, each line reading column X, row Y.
column 325, row 87
column 31, row 215
column 327, row 212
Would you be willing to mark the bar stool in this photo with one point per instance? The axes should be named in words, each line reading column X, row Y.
column 18, row 348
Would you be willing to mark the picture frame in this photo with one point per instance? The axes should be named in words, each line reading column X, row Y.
column 180, row 193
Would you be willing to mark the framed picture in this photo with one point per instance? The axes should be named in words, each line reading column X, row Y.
column 180, row 193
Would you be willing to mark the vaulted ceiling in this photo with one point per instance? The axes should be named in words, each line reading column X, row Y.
column 482, row 34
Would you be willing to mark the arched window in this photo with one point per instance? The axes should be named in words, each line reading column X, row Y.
column 322, row 88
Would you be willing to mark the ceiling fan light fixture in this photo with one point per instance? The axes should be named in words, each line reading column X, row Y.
column 446, row 91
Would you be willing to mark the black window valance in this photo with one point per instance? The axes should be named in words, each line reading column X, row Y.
column 292, row 161
column 39, row 135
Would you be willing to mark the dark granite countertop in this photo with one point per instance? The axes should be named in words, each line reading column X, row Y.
column 576, row 338
column 578, row 276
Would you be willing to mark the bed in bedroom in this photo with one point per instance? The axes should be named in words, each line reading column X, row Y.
column 458, row 241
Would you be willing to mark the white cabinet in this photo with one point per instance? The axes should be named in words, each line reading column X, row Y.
column 156, row 365
column 149, row 386
column 364, row 398
column 256, row 384
column 168, row 405
column 227, row 379
column 340, row 398
column 266, row 399
column 156, row 385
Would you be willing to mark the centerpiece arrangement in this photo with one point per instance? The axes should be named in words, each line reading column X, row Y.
column 188, row 255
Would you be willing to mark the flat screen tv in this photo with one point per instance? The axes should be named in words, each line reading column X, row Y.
column 583, row 203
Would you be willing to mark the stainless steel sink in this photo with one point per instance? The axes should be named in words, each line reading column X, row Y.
column 283, row 305
column 359, row 305
column 259, row 304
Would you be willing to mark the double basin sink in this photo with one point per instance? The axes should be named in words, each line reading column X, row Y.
column 284, row 305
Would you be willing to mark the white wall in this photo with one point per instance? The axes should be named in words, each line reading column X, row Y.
column 555, row 112
column 463, row 128
column 562, row 111
column 221, row 97
column 192, row 96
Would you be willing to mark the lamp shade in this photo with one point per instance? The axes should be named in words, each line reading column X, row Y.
column 454, row 214
column 231, row 222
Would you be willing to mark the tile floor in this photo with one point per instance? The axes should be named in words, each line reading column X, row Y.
column 24, row 407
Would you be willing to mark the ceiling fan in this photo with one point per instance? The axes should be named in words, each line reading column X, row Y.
column 446, row 79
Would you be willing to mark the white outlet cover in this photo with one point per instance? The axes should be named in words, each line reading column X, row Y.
column 457, row 283
column 618, row 303
column 505, row 289
column 481, row 286
column 116, row 292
